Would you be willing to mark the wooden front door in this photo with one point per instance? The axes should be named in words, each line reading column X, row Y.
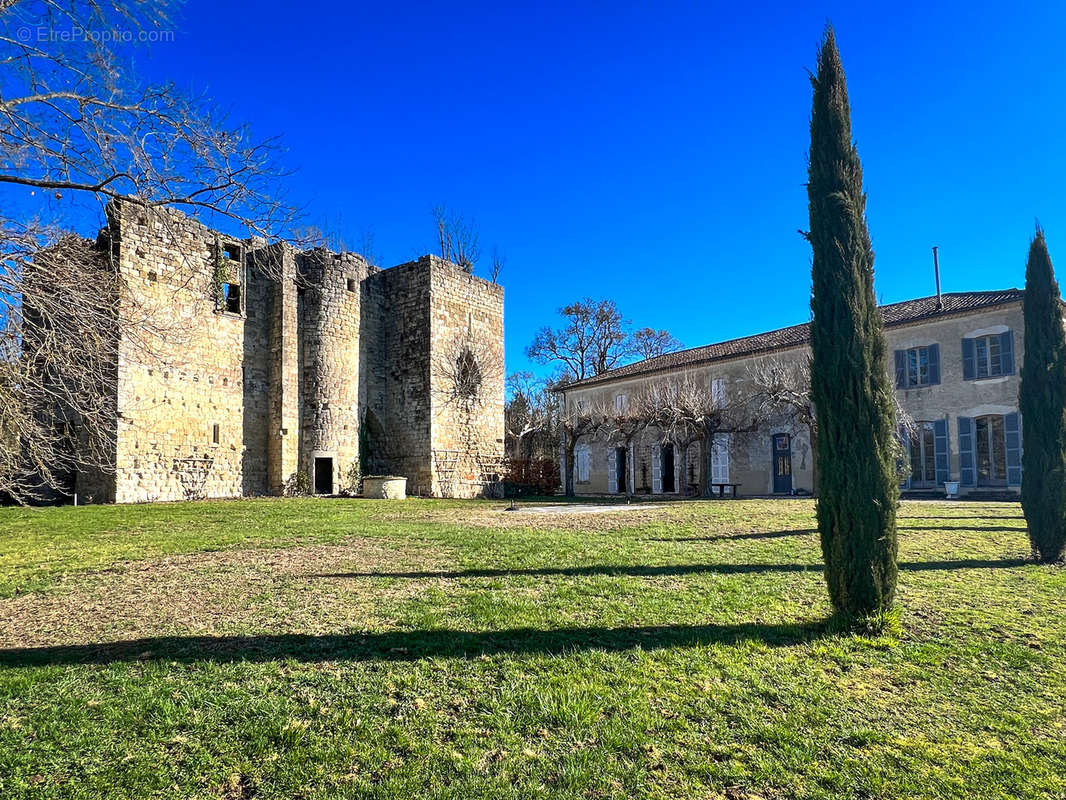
column 781, row 453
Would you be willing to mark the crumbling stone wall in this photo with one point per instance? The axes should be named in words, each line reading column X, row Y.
column 324, row 356
column 185, row 365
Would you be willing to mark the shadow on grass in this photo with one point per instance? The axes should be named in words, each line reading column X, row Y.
column 961, row 528
column 408, row 645
column 736, row 536
column 970, row 518
column 640, row 571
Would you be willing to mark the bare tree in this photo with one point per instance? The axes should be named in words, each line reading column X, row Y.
column 76, row 123
column 457, row 237
column 688, row 411
column 594, row 339
column 576, row 422
column 497, row 265
column 782, row 390
column 623, row 424
column 529, row 414
column 649, row 343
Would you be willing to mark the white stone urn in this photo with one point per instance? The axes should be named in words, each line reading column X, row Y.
column 385, row 487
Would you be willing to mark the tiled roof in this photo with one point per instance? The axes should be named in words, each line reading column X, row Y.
column 895, row 314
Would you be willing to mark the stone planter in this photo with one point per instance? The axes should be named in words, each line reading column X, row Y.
column 385, row 487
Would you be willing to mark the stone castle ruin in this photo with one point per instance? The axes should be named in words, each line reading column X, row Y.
column 244, row 365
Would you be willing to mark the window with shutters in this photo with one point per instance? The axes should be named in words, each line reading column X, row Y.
column 583, row 461
column 988, row 356
column 621, row 403
column 918, row 366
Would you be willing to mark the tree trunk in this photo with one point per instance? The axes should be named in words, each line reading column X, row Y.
column 682, row 460
column 568, row 485
column 708, row 459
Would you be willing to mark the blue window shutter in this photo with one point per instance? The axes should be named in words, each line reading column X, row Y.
column 934, row 364
column 902, row 463
column 969, row 360
column 940, row 450
column 901, row 368
column 1012, row 431
column 967, row 465
column 1006, row 352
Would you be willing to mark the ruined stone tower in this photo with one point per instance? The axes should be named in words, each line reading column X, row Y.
column 250, row 363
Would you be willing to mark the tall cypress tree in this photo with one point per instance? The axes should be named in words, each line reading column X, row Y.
column 1042, row 402
column 856, row 449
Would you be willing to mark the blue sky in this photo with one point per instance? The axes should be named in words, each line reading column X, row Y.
column 654, row 153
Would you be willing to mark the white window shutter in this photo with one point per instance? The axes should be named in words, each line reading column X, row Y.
column 656, row 470
column 718, row 392
column 612, row 471
column 720, row 458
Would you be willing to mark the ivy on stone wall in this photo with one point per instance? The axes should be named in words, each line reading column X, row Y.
column 219, row 275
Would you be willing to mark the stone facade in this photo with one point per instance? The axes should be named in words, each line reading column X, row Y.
column 968, row 427
column 242, row 364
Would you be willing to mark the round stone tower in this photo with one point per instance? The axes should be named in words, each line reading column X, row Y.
column 329, row 319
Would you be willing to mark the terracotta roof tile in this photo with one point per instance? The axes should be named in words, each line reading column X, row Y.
column 909, row 311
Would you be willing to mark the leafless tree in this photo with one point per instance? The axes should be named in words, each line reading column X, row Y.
column 649, row 343
column 530, row 414
column 594, row 339
column 781, row 389
column 76, row 123
column 622, row 424
column 497, row 265
column 457, row 237
column 468, row 364
column 688, row 411
column 577, row 422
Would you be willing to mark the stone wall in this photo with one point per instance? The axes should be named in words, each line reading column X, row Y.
column 404, row 436
column 191, row 376
column 466, row 328
column 324, row 363
column 329, row 324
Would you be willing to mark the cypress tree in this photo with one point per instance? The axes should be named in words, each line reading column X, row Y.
column 1042, row 402
column 856, row 448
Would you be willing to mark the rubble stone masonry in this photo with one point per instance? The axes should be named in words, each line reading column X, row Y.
column 243, row 363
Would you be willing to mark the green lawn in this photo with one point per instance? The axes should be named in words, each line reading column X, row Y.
column 343, row 648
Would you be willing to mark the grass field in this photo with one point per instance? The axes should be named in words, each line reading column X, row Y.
column 343, row 648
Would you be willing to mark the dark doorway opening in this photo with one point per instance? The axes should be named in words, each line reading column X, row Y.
column 623, row 470
column 323, row 476
column 668, row 468
column 781, row 453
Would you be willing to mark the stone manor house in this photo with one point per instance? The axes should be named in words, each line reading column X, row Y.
column 255, row 362
column 955, row 360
